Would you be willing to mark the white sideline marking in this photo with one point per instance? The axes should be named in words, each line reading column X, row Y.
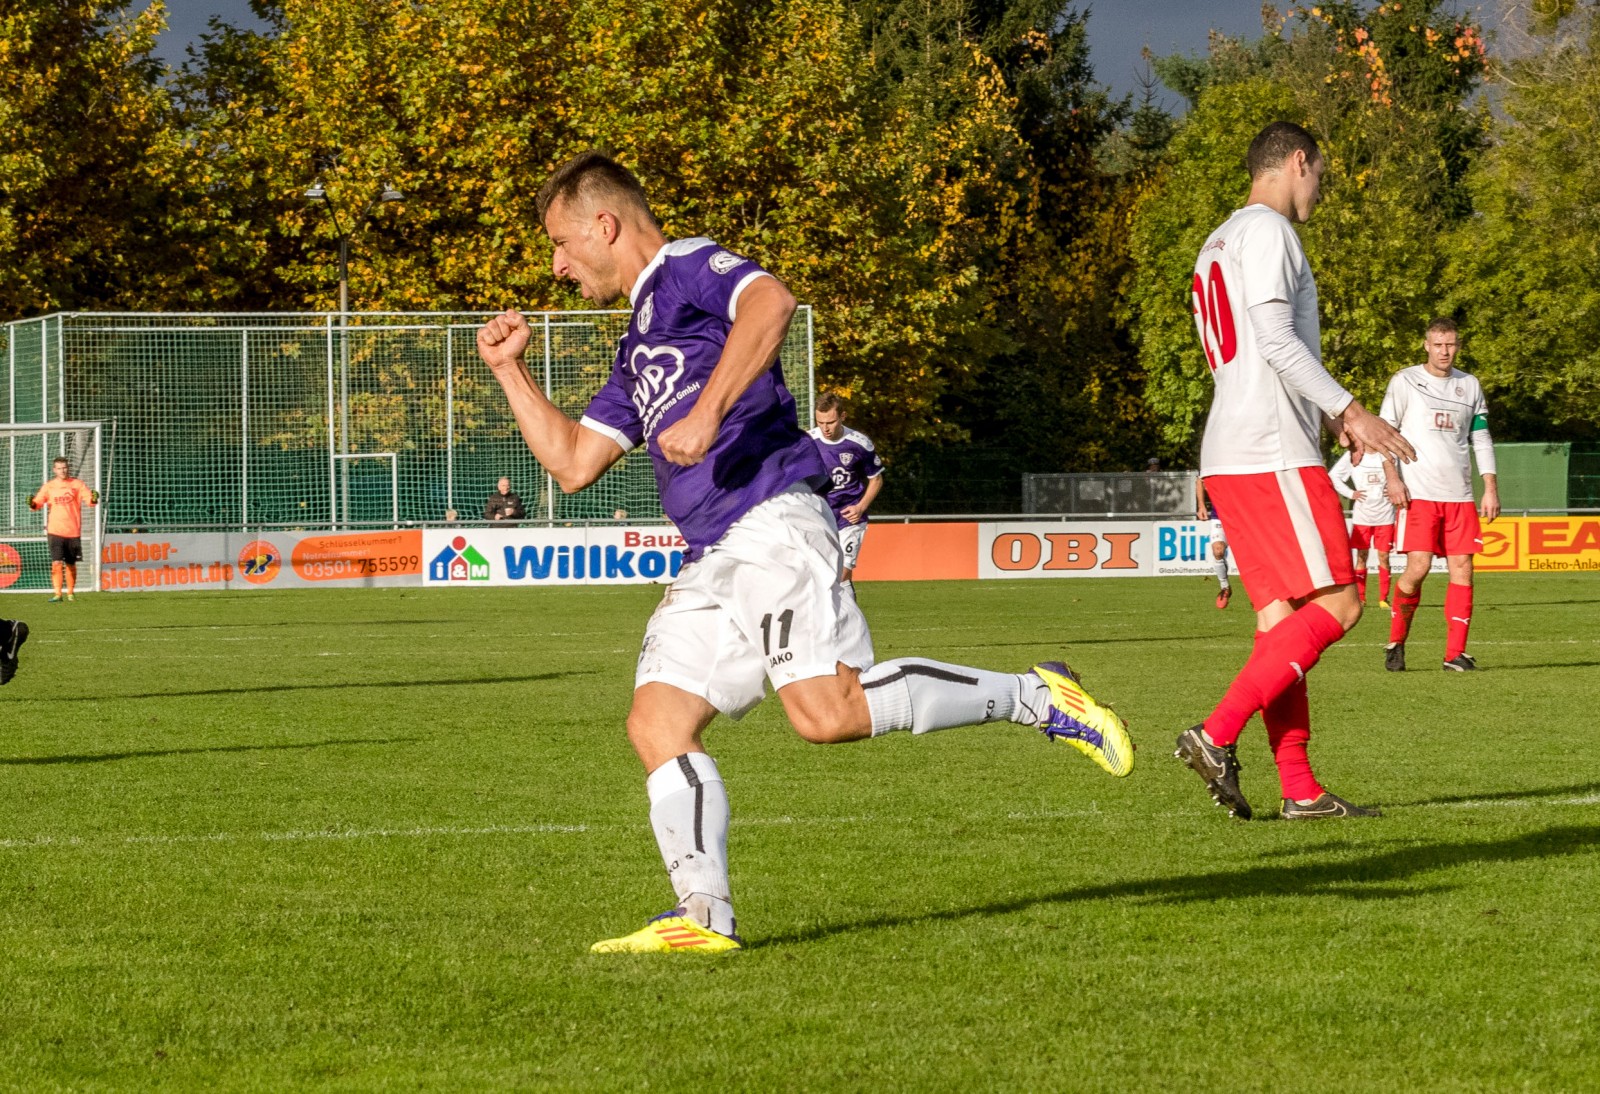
column 1515, row 803
column 302, row 836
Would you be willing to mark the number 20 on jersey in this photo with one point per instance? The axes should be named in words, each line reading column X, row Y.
column 1214, row 315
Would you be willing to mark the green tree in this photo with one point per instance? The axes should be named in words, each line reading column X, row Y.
column 1387, row 91
column 1526, row 270
column 86, row 172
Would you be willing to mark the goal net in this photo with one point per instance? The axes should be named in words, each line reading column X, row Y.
column 27, row 451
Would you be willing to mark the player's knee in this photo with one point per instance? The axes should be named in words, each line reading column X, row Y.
column 824, row 715
column 824, row 725
column 1218, row 550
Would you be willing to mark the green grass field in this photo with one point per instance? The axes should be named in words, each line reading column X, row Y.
column 363, row 840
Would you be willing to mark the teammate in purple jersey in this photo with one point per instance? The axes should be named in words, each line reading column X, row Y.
column 697, row 382
column 855, row 476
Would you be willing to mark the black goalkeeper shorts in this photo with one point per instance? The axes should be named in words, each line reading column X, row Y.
column 68, row 549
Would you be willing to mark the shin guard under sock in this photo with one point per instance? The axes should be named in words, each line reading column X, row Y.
column 1283, row 655
column 1458, row 619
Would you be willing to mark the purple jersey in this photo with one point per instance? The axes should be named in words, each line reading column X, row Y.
column 851, row 461
column 684, row 304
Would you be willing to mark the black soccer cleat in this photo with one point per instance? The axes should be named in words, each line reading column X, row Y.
column 1217, row 766
column 8, row 650
column 1394, row 657
column 1461, row 662
column 1328, row 806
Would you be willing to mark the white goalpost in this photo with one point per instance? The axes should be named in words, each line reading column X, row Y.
column 27, row 450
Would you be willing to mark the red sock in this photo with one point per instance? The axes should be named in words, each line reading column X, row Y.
column 1288, row 720
column 1361, row 585
column 1383, row 584
column 1283, row 656
column 1400, row 615
column 1457, row 618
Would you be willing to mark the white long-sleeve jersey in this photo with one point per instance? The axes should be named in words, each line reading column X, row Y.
column 1372, row 507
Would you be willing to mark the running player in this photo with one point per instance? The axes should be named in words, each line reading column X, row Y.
column 1440, row 409
column 13, row 633
column 65, row 497
column 697, row 382
column 1256, row 307
column 1371, row 517
column 1205, row 512
column 855, row 474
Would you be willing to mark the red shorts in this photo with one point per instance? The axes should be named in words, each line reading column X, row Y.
column 1441, row 528
column 1381, row 536
column 1286, row 529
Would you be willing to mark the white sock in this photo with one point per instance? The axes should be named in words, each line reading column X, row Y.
column 1221, row 566
column 922, row 696
column 689, row 812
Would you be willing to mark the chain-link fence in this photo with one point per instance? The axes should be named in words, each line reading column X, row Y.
column 318, row 420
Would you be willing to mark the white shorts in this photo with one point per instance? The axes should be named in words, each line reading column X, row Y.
column 764, row 603
column 850, row 537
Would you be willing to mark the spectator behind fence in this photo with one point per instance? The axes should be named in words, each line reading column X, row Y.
column 503, row 504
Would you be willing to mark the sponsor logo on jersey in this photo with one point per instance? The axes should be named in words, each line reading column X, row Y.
column 656, row 372
column 1444, row 421
column 459, row 561
column 723, row 261
column 647, row 312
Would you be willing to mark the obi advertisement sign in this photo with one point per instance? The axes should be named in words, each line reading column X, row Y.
column 287, row 560
column 1035, row 549
column 552, row 556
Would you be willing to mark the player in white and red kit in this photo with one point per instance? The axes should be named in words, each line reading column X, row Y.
column 1255, row 303
column 1440, row 410
column 1371, row 517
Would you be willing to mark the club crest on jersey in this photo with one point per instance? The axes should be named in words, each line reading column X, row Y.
column 847, row 458
column 723, row 261
column 647, row 312
column 1460, row 391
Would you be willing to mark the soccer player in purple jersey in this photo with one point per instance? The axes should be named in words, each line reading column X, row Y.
column 855, row 476
column 698, row 383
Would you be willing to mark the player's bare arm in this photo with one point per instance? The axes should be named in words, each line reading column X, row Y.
column 855, row 513
column 765, row 308
column 1202, row 511
column 574, row 456
column 1394, row 487
column 1489, row 507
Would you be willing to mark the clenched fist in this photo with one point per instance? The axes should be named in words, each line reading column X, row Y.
column 502, row 340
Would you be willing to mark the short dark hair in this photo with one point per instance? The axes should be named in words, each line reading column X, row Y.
column 1276, row 143
column 828, row 401
column 1443, row 325
column 592, row 175
column 60, row 459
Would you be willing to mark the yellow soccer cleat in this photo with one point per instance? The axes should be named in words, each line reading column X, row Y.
column 1076, row 718
column 671, row 932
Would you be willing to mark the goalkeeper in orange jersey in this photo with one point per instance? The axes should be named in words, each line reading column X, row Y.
column 65, row 497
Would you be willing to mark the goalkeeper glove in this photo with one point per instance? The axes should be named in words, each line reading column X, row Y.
column 33, row 503
column 94, row 497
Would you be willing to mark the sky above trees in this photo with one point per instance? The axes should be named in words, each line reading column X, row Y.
column 1118, row 31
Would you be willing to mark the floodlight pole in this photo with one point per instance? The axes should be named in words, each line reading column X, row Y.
column 318, row 192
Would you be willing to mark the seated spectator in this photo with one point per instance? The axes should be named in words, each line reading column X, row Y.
column 503, row 504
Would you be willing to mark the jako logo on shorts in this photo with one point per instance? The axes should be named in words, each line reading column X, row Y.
column 460, row 561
